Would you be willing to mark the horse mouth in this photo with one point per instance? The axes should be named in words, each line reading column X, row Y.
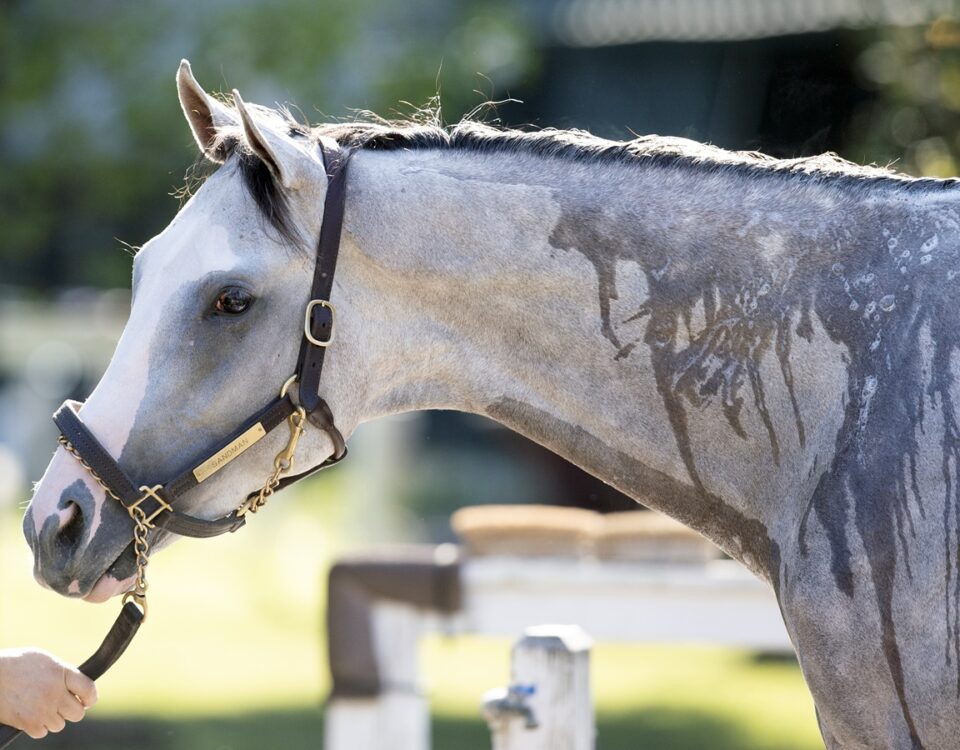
column 108, row 587
column 121, row 574
column 116, row 580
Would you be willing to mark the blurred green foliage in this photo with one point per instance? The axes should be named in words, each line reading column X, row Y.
column 914, row 122
column 92, row 138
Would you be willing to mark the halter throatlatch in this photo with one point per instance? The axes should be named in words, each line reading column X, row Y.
column 154, row 506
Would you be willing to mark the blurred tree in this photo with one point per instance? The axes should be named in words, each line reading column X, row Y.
column 91, row 137
column 914, row 122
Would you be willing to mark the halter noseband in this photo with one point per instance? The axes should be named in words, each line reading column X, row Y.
column 153, row 506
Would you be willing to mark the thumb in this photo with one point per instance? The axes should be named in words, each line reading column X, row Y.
column 80, row 685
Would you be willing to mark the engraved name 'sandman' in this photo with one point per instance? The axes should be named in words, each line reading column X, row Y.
column 216, row 462
column 766, row 350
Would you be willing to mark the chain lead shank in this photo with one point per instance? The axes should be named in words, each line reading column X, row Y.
column 282, row 464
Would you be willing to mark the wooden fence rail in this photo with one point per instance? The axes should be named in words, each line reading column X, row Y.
column 380, row 606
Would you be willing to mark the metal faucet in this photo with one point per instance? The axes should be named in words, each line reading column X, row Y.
column 500, row 704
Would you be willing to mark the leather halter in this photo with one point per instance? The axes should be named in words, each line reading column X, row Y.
column 157, row 501
column 155, row 504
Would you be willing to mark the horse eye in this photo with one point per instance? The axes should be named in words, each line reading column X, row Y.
column 233, row 300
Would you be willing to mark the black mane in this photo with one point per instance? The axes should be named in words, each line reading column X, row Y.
column 576, row 145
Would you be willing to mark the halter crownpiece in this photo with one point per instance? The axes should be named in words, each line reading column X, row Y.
column 152, row 506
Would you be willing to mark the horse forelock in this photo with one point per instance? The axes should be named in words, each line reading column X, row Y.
column 260, row 184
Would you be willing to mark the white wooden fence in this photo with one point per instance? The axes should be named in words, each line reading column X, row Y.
column 398, row 718
column 716, row 602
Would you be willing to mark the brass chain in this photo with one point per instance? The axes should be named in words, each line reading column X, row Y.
column 253, row 504
column 141, row 546
column 282, row 464
column 76, row 454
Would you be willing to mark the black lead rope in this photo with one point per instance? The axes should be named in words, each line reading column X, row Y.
column 152, row 506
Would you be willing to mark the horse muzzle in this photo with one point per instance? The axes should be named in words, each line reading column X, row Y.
column 78, row 541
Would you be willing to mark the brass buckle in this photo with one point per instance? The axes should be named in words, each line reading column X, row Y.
column 149, row 492
column 306, row 322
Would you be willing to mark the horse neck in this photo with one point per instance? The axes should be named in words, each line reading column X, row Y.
column 471, row 298
column 560, row 297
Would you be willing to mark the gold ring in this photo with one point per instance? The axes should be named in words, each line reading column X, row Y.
column 290, row 381
column 139, row 600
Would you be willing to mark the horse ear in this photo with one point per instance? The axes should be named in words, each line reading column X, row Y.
column 204, row 113
column 284, row 159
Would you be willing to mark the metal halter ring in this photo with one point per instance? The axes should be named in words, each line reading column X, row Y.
column 289, row 381
column 308, row 333
column 139, row 599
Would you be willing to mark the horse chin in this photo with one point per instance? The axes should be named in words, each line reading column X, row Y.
column 107, row 587
column 121, row 574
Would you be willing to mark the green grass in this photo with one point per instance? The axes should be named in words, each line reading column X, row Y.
column 232, row 657
column 647, row 696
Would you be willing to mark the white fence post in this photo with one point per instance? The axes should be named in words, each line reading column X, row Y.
column 548, row 705
column 399, row 717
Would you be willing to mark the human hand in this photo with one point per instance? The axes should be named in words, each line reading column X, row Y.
column 39, row 693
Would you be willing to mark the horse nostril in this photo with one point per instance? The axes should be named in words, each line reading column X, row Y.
column 71, row 532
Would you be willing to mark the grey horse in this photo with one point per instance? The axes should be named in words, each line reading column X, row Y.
column 762, row 349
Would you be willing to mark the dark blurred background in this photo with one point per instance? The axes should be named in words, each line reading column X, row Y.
column 93, row 144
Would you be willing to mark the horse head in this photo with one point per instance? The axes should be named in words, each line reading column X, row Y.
column 214, row 329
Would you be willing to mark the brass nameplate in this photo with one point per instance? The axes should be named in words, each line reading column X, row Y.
column 220, row 459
